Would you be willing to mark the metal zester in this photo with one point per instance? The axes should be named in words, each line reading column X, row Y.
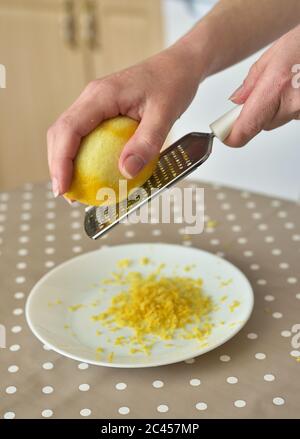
column 175, row 163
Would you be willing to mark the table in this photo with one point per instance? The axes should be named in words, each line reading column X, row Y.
column 254, row 375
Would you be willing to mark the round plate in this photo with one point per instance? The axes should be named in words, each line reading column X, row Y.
column 71, row 331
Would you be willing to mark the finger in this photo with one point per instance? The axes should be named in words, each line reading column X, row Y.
column 289, row 108
column 146, row 142
column 259, row 109
column 241, row 94
column 95, row 104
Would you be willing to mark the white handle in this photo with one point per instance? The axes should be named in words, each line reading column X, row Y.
column 221, row 127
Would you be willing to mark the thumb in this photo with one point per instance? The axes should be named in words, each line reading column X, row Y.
column 146, row 142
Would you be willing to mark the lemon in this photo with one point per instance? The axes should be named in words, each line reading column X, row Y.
column 96, row 164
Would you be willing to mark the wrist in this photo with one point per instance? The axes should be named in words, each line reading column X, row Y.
column 195, row 52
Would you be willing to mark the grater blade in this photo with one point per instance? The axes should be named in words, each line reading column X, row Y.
column 175, row 162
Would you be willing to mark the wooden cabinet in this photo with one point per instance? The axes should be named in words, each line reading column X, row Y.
column 51, row 49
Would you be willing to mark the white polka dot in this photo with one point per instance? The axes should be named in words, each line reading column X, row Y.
column 236, row 228
column 21, row 265
column 215, row 241
column 262, row 227
column 289, row 225
column 201, row 406
column 13, row 368
column 245, row 194
column 276, row 252
column 23, row 239
column 50, row 215
column 84, row 387
column 48, row 365
column 157, row 384
column 231, row 217
column 269, row 377
column 254, row 267
column 16, row 329
column 190, row 361
column 47, row 390
column 220, row 254
column 252, row 336
column 275, row 203
column 240, row 403
column 261, row 282
column 77, row 249
column 284, row 265
column 282, row 214
column 85, row 412
column 286, row 333
column 26, row 206
column 75, row 213
column 248, row 253
column 83, row 366
column 75, row 225
column 19, row 295
column 225, row 206
column 225, row 358
column 17, row 311
column 49, row 264
column 123, row 410
column 157, row 232
column 278, row 400
column 14, row 347
column 195, row 382
column 129, row 234
column 10, row 390
column 162, row 408
column 242, row 240
column 298, row 296
column 24, row 227
column 277, row 315
column 27, row 196
column 50, row 226
column 269, row 239
column 220, row 196
column 295, row 354
column 20, row 279
column 76, row 236
column 232, row 380
column 49, row 250
column 23, row 252
column 269, row 298
column 25, row 216
column 46, row 347
column 49, row 238
column 296, row 237
column 256, row 215
column 9, row 415
column 260, row 356
column 50, row 204
column 122, row 386
column 292, row 280
column 250, row 205
column 47, row 413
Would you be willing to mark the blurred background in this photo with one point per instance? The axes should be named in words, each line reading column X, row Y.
column 52, row 48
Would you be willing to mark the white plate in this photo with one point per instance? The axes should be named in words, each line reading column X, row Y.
column 73, row 334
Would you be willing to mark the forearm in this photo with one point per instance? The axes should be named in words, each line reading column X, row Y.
column 233, row 30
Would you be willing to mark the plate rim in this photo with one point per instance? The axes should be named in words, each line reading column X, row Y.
column 178, row 359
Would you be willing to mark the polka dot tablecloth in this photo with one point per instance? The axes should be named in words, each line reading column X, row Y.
column 254, row 375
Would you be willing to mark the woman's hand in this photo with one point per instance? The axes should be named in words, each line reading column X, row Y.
column 271, row 91
column 155, row 92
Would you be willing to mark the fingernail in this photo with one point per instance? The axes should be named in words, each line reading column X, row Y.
column 235, row 93
column 55, row 187
column 69, row 201
column 132, row 166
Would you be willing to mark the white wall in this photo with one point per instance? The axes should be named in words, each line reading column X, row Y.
column 270, row 163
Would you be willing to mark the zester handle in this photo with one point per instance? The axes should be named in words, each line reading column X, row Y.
column 221, row 127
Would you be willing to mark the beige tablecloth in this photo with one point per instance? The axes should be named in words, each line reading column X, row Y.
column 254, row 375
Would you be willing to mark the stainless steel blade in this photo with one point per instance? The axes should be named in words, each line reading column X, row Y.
column 175, row 162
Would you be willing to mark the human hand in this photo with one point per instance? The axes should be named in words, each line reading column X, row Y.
column 270, row 92
column 155, row 92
